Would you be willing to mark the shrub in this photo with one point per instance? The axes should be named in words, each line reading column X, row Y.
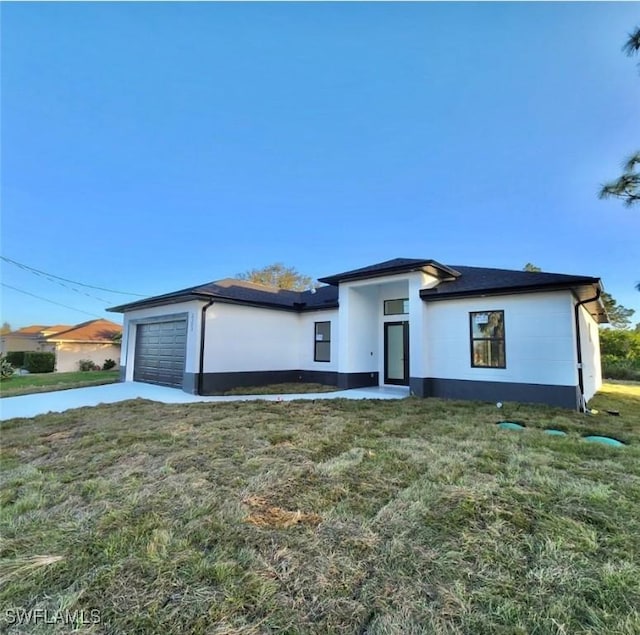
column 621, row 369
column 86, row 364
column 6, row 369
column 39, row 362
column 108, row 364
column 15, row 358
column 620, row 354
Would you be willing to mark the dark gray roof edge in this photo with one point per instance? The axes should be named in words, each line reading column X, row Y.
column 434, row 294
column 296, row 307
column 372, row 272
column 601, row 315
column 324, row 307
column 159, row 300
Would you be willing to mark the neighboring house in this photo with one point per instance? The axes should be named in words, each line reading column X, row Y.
column 444, row 331
column 92, row 340
column 30, row 338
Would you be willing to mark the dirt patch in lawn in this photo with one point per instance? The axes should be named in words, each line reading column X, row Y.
column 265, row 515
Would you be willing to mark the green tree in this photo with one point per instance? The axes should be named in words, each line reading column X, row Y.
column 620, row 345
column 627, row 186
column 632, row 45
column 619, row 316
column 531, row 267
column 5, row 328
column 278, row 275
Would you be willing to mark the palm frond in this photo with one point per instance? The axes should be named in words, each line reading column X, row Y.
column 632, row 45
column 631, row 162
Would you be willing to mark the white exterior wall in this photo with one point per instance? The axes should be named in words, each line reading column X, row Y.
column 590, row 349
column 168, row 311
column 358, row 324
column 68, row 354
column 540, row 342
column 243, row 338
column 10, row 343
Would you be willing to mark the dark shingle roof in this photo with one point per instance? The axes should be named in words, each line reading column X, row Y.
column 243, row 292
column 456, row 281
column 477, row 279
column 397, row 265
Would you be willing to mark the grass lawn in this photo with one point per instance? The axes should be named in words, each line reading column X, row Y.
column 45, row 382
column 377, row 517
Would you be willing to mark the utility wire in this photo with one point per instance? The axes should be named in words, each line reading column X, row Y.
column 33, row 295
column 66, row 286
column 51, row 275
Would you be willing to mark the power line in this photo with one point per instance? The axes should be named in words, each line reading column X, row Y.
column 33, row 295
column 66, row 286
column 81, row 284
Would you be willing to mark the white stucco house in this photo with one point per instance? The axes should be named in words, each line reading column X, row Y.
column 444, row 331
column 92, row 340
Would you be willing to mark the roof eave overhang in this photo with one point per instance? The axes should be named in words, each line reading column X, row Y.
column 204, row 297
column 430, row 267
column 597, row 310
column 324, row 307
column 158, row 301
column 50, row 341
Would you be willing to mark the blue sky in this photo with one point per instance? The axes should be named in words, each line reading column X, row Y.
column 148, row 147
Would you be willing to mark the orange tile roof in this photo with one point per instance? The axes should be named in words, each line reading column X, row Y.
column 92, row 331
column 58, row 328
column 28, row 330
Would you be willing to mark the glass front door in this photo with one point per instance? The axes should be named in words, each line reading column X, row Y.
column 396, row 353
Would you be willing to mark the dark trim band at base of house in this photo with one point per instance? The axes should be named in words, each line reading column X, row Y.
column 190, row 383
column 213, row 383
column 562, row 396
column 346, row 381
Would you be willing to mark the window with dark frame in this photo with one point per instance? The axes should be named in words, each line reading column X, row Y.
column 487, row 339
column 396, row 307
column 322, row 342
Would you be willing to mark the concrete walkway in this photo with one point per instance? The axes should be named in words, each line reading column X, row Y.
column 61, row 400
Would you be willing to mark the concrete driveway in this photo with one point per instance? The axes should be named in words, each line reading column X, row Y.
column 61, row 400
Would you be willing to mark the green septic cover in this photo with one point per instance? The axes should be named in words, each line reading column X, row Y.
column 558, row 433
column 509, row 425
column 605, row 440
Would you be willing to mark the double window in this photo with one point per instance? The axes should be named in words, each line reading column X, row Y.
column 322, row 342
column 487, row 339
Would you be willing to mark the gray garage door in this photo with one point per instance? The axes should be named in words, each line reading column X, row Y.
column 160, row 352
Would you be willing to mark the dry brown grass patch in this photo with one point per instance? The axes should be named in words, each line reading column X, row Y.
column 22, row 566
column 57, row 436
column 265, row 515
